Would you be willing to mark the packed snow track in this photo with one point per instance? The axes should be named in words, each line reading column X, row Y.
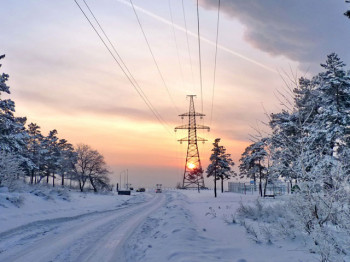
column 98, row 236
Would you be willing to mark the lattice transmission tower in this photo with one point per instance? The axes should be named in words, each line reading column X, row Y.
column 193, row 173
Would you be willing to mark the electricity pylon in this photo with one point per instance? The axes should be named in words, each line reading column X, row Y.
column 193, row 174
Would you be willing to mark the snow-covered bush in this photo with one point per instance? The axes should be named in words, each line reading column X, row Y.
column 252, row 232
column 323, row 217
column 61, row 193
column 16, row 200
column 322, row 222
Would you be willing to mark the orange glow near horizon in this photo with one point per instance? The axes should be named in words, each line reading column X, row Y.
column 191, row 165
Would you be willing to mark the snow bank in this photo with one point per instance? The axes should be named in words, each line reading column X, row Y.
column 40, row 203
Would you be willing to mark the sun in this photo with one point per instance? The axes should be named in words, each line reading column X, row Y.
column 191, row 165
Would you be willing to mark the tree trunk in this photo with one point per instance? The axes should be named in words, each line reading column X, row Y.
column 222, row 185
column 266, row 180
column 215, row 186
column 32, row 177
column 254, row 178
column 81, row 185
column 215, row 182
column 62, row 184
column 260, row 186
column 92, row 183
column 53, row 180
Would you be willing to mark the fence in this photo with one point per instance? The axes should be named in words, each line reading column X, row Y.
column 271, row 189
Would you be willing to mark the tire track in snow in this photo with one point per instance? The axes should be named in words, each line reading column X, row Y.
column 83, row 238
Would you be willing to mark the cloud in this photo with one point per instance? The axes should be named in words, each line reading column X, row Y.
column 303, row 31
column 69, row 105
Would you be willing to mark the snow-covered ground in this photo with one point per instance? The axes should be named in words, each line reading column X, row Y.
column 45, row 204
column 171, row 226
column 195, row 226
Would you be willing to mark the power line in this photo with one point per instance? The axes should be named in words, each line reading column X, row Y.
column 188, row 44
column 175, row 40
column 154, row 59
column 120, row 58
column 137, row 88
column 199, row 54
column 216, row 52
column 178, row 27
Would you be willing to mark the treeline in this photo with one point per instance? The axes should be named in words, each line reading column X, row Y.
column 27, row 154
column 310, row 138
column 309, row 146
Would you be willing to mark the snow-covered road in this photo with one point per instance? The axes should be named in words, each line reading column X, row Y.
column 98, row 236
column 174, row 226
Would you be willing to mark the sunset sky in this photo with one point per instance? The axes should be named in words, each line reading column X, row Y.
column 62, row 77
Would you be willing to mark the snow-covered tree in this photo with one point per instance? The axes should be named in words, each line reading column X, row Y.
column 90, row 166
column 311, row 145
column 311, row 138
column 220, row 166
column 253, row 163
column 34, row 151
column 51, row 155
column 12, row 130
column 10, row 169
column 332, row 123
column 37, row 155
column 67, row 159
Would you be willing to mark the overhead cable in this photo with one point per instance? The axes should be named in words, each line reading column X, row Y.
column 154, row 59
column 216, row 52
column 188, row 43
column 200, row 56
column 129, row 77
column 176, row 44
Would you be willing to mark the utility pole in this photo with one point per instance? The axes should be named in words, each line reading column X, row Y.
column 193, row 173
column 127, row 179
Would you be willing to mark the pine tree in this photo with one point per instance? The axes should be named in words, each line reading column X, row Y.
column 290, row 132
column 329, row 132
column 10, row 169
column 220, row 166
column 34, row 151
column 252, row 163
column 66, row 160
column 12, row 130
column 51, row 155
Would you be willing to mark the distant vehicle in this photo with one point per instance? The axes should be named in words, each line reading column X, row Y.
column 141, row 189
column 124, row 192
column 159, row 188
